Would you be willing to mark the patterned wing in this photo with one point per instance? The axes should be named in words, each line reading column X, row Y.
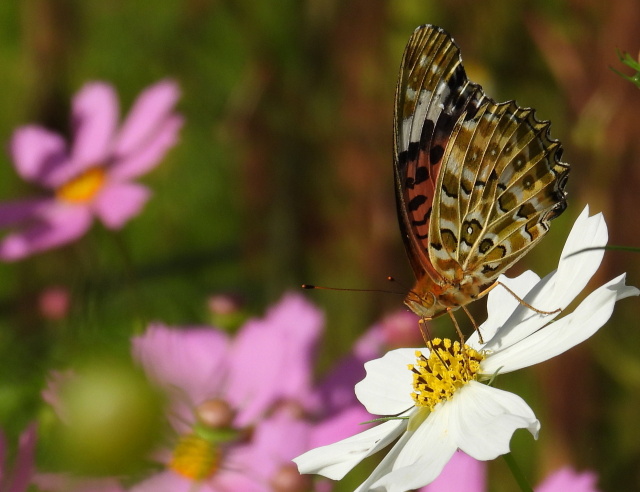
column 433, row 93
column 500, row 184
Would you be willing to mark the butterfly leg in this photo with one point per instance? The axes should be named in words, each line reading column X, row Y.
column 517, row 298
column 473, row 322
column 424, row 331
column 455, row 323
column 426, row 336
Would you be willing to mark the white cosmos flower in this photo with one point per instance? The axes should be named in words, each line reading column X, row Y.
column 471, row 416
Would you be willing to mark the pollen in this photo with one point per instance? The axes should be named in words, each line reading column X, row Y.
column 448, row 368
column 83, row 187
column 195, row 457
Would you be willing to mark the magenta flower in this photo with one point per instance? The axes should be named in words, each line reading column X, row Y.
column 18, row 478
column 284, row 435
column 568, row 479
column 463, row 472
column 219, row 387
column 92, row 176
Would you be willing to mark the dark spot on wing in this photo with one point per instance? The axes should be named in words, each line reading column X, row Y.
column 435, row 154
column 416, row 202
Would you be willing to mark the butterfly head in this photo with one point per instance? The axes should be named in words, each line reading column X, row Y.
column 422, row 304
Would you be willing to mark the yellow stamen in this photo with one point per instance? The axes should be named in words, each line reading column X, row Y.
column 83, row 187
column 448, row 368
column 194, row 457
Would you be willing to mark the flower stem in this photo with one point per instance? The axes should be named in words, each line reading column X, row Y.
column 517, row 473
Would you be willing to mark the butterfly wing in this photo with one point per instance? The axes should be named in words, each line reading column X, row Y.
column 500, row 184
column 433, row 92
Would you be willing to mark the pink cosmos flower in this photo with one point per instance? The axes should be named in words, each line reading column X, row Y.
column 91, row 176
column 568, row 479
column 19, row 477
column 463, row 472
column 237, row 404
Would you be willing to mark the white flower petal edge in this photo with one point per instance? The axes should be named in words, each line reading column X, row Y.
column 387, row 387
column 559, row 288
column 485, row 418
column 560, row 336
column 501, row 304
column 416, row 459
column 480, row 420
column 336, row 460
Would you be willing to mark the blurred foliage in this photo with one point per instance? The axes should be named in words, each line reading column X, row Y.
column 283, row 176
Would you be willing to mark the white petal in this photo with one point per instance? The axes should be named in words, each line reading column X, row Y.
column 418, row 458
column 500, row 304
column 563, row 334
column 385, row 466
column 483, row 420
column 576, row 267
column 335, row 460
column 560, row 287
column 387, row 388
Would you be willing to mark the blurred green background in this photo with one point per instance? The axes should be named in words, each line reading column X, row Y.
column 283, row 175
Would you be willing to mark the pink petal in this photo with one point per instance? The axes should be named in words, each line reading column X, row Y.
column 270, row 450
column 38, row 154
column 53, row 391
column 12, row 213
column 150, row 153
column 192, row 361
column 568, row 479
column 335, row 391
column 150, row 112
column 232, row 480
column 24, row 465
column 117, row 203
column 61, row 224
column 165, row 481
column 285, row 342
column 345, row 424
column 461, row 473
column 95, row 116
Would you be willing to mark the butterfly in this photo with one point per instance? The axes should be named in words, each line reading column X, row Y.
column 477, row 182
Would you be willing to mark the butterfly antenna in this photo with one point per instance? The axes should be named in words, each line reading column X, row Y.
column 404, row 287
column 319, row 287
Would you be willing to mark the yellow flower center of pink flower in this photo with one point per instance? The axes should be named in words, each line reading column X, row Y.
column 195, row 457
column 448, row 368
column 82, row 188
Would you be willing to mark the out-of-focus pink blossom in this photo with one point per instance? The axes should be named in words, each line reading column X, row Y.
column 568, row 479
column 54, row 302
column 93, row 174
column 401, row 329
column 461, row 473
column 466, row 473
column 267, row 365
column 17, row 478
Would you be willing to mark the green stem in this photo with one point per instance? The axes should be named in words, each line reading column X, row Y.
column 517, row 473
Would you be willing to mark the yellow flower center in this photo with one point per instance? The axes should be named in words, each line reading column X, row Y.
column 448, row 368
column 195, row 457
column 82, row 188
